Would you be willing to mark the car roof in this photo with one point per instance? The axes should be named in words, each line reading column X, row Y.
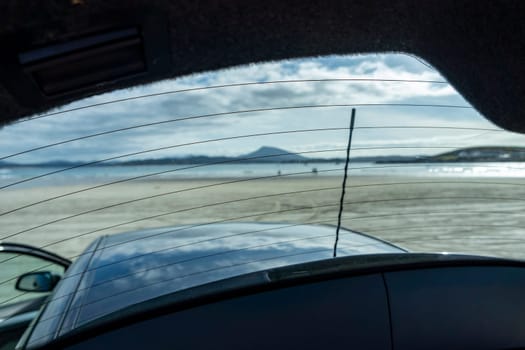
column 126, row 269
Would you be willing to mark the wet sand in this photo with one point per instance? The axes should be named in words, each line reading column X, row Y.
column 470, row 215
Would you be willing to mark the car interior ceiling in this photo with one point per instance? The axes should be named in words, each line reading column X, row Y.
column 476, row 45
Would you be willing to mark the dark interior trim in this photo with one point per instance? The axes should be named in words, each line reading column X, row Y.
column 477, row 45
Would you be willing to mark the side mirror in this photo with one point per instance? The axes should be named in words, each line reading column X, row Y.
column 40, row 282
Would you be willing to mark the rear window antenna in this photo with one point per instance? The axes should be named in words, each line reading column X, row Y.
column 347, row 161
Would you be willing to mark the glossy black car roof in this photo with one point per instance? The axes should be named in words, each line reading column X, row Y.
column 125, row 269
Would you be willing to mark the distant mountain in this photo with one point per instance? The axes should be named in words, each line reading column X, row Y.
column 268, row 154
column 483, row 154
column 264, row 154
column 472, row 154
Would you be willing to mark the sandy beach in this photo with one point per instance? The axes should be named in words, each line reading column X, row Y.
column 471, row 215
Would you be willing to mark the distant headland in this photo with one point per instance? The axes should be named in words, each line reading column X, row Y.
column 267, row 154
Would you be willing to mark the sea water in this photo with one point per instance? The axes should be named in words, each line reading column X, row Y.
column 11, row 177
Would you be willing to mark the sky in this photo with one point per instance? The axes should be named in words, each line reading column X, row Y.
column 206, row 126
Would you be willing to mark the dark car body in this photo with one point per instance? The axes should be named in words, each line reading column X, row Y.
column 122, row 270
column 197, row 286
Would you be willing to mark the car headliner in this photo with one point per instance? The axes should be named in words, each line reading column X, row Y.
column 477, row 45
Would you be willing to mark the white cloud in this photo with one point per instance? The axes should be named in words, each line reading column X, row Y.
column 135, row 112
